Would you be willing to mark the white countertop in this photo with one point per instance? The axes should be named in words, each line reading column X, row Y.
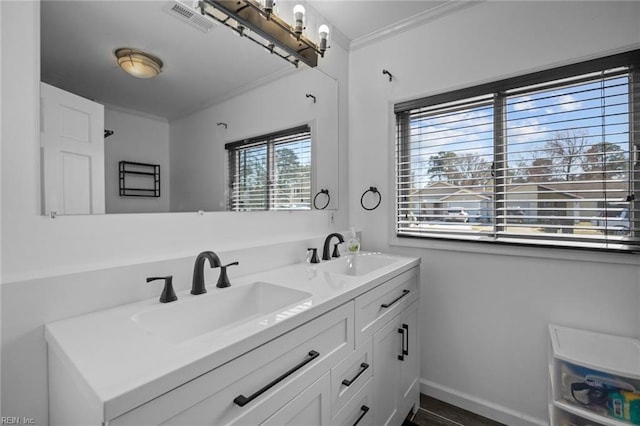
column 121, row 366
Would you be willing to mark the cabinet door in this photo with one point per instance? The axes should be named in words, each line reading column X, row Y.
column 410, row 365
column 396, row 368
column 387, row 347
column 312, row 407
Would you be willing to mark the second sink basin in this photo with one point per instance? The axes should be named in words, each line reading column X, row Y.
column 220, row 308
column 356, row 265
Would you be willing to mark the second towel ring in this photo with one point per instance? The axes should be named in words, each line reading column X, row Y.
column 322, row 191
column 375, row 191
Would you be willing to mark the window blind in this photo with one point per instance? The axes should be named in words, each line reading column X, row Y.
column 271, row 172
column 545, row 159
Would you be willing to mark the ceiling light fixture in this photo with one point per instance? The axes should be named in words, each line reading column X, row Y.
column 258, row 22
column 138, row 63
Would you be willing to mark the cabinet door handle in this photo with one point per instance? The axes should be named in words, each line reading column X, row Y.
column 402, row 351
column 242, row 400
column 363, row 367
column 386, row 305
column 364, row 409
column 406, row 351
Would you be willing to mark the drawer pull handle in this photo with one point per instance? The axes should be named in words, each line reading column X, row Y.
column 363, row 367
column 242, row 400
column 386, row 305
column 364, row 409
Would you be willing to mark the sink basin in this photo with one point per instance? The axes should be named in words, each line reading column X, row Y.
column 356, row 265
column 219, row 310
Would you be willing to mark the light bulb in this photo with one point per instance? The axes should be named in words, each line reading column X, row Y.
column 324, row 34
column 268, row 6
column 298, row 12
column 298, row 15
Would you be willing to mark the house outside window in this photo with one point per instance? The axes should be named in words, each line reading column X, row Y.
column 543, row 159
column 271, row 172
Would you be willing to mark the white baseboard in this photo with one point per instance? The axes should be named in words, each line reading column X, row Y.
column 479, row 406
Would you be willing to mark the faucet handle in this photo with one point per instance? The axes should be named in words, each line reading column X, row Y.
column 223, row 279
column 336, row 252
column 168, row 295
column 314, row 255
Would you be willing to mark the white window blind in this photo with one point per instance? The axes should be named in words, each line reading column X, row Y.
column 271, row 172
column 544, row 159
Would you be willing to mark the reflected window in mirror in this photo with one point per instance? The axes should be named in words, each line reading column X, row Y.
column 271, row 172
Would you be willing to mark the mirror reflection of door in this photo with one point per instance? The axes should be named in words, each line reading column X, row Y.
column 72, row 151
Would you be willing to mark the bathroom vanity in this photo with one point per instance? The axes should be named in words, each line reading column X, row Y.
column 334, row 343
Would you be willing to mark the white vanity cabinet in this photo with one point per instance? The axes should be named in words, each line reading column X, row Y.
column 354, row 362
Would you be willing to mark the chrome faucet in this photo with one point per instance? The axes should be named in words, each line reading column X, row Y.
column 197, row 286
column 327, row 242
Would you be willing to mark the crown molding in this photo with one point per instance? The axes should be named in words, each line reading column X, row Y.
column 413, row 21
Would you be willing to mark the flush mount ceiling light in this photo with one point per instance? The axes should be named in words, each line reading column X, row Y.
column 258, row 21
column 138, row 63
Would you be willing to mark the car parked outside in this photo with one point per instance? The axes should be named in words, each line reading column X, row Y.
column 457, row 215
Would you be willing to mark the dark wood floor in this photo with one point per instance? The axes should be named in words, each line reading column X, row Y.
column 433, row 412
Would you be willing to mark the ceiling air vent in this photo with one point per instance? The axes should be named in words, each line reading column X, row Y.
column 190, row 15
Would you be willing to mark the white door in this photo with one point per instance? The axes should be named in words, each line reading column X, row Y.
column 72, row 152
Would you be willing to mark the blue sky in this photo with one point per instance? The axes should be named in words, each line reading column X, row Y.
column 532, row 119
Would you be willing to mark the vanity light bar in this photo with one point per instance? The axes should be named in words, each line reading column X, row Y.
column 266, row 29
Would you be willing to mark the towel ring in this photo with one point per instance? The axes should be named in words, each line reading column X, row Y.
column 322, row 191
column 375, row 191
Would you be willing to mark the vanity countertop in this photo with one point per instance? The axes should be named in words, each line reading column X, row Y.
column 121, row 365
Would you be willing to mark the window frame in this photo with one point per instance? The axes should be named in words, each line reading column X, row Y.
column 270, row 142
column 499, row 89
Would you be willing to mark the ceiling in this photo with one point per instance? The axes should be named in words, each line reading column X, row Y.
column 78, row 39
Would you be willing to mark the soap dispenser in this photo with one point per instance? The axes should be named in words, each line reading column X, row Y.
column 353, row 244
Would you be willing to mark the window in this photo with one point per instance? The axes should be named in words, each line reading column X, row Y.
column 271, row 172
column 542, row 159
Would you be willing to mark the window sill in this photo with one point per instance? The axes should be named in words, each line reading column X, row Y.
column 506, row 249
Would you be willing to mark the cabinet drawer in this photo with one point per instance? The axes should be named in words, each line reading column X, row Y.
column 379, row 305
column 348, row 377
column 359, row 410
column 292, row 362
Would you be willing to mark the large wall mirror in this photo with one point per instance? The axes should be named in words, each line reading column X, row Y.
column 214, row 88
